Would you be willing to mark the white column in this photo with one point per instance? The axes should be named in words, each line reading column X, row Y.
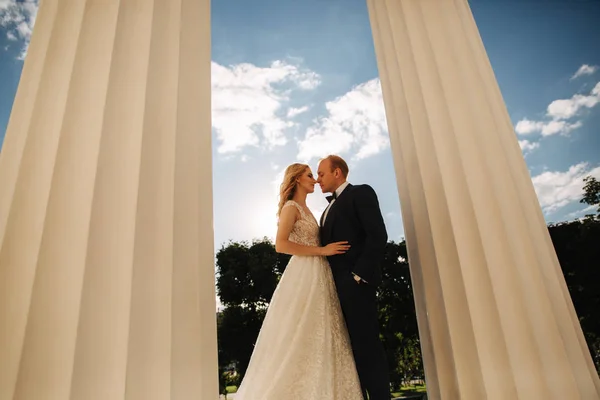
column 106, row 232
column 495, row 317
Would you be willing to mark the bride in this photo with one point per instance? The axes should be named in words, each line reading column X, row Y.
column 303, row 351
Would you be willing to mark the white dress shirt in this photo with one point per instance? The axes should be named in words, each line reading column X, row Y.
column 338, row 191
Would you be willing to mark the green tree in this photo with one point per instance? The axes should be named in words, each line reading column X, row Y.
column 395, row 294
column 410, row 362
column 397, row 317
column 578, row 252
column 247, row 274
column 237, row 334
column 591, row 191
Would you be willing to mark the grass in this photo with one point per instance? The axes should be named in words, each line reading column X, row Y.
column 408, row 390
column 231, row 389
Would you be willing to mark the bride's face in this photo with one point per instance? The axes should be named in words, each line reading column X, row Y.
column 307, row 181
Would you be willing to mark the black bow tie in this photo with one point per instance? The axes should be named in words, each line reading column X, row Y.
column 332, row 197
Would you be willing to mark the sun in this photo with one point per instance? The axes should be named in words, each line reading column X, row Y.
column 263, row 222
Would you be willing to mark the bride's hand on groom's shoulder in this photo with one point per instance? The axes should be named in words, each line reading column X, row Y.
column 335, row 248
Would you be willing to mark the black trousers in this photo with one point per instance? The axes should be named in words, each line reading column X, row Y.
column 359, row 307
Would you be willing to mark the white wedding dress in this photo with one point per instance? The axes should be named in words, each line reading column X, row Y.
column 303, row 351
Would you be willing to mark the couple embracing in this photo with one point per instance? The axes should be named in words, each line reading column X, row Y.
column 320, row 336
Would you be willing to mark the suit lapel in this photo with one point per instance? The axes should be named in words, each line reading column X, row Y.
column 323, row 216
column 331, row 214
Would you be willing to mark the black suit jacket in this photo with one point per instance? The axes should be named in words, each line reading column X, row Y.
column 355, row 216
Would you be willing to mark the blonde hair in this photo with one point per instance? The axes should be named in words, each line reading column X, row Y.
column 288, row 186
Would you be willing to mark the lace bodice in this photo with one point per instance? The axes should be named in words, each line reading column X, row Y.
column 305, row 230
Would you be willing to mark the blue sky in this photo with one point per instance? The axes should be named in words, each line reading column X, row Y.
column 294, row 80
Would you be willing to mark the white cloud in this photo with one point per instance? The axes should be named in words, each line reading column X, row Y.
column 582, row 213
column 556, row 189
column 18, row 18
column 558, row 113
column 292, row 112
column 525, row 126
column 276, row 182
column 547, row 128
column 247, row 101
column 585, row 69
column 308, row 80
column 354, row 122
column 562, row 127
column 568, row 108
column 527, row 146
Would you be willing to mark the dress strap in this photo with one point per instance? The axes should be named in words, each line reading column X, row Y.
column 290, row 203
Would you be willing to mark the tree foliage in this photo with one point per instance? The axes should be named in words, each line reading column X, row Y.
column 247, row 274
column 591, row 191
column 397, row 317
column 577, row 245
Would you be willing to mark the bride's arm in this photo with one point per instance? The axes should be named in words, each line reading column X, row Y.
column 287, row 218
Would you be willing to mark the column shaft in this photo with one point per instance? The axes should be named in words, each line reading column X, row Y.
column 495, row 317
column 106, row 234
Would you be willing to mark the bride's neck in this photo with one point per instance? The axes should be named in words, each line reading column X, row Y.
column 300, row 198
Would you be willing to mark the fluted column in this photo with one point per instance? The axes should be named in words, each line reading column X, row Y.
column 106, row 233
column 495, row 317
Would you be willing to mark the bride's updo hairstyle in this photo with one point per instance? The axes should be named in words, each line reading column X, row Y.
column 289, row 184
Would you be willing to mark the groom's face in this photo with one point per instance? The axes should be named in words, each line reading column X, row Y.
column 326, row 177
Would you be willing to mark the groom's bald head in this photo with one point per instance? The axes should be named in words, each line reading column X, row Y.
column 332, row 172
column 337, row 162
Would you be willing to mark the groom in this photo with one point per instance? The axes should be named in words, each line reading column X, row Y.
column 353, row 214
